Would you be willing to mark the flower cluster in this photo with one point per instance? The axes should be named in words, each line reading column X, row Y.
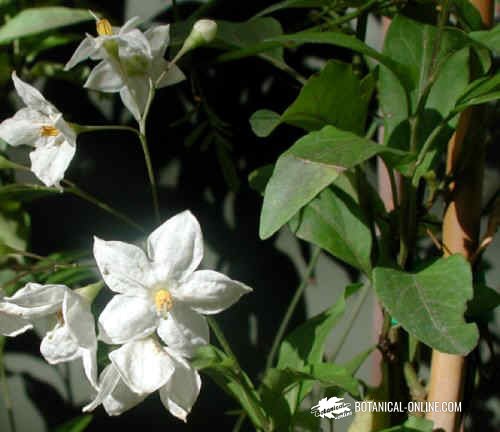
column 131, row 63
column 157, row 316
column 156, row 319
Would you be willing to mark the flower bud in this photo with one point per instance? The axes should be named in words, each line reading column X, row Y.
column 203, row 32
column 90, row 292
column 206, row 28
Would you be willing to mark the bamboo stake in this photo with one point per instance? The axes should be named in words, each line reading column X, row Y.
column 460, row 235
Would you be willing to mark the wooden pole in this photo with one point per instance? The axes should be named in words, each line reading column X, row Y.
column 460, row 235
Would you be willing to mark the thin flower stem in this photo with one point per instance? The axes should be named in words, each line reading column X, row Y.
column 147, row 155
column 75, row 190
column 222, row 340
column 101, row 128
column 5, row 389
column 291, row 307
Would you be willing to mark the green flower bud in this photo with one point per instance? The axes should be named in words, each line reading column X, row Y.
column 90, row 292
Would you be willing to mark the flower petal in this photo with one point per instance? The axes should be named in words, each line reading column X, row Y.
column 124, row 267
column 181, row 391
column 173, row 75
column 121, row 399
column 184, row 330
column 129, row 25
column 32, row 97
column 108, row 380
column 130, row 103
column 12, row 325
column 158, row 38
column 133, row 43
column 104, row 78
column 210, row 292
column 143, row 365
column 176, row 247
column 23, row 128
column 89, row 360
column 35, row 300
column 49, row 162
column 59, row 345
column 127, row 318
column 138, row 86
column 66, row 130
column 85, row 50
column 79, row 319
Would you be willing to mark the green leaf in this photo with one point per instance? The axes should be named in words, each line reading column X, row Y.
column 78, row 424
column 306, row 344
column 309, row 166
column 243, row 34
column 430, row 304
column 340, row 40
column 264, row 121
column 14, row 226
column 468, row 14
column 488, row 38
column 480, row 91
column 335, row 222
column 289, row 4
column 37, row 20
column 332, row 97
column 353, row 365
column 233, row 381
column 413, row 45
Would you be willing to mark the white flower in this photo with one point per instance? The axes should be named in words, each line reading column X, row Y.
column 161, row 291
column 73, row 335
column 141, row 367
column 12, row 325
column 132, row 62
column 42, row 126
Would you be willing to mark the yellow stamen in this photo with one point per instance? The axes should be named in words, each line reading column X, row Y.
column 49, row 131
column 104, row 27
column 59, row 316
column 163, row 301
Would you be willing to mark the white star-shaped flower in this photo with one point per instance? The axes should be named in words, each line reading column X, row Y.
column 73, row 335
column 42, row 126
column 131, row 62
column 161, row 291
column 141, row 367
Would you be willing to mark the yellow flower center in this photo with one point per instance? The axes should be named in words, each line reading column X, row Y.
column 163, row 302
column 48, row 130
column 104, row 28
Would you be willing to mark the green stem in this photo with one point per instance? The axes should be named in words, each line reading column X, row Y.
column 431, row 138
column 75, row 190
column 291, row 307
column 100, row 128
column 5, row 388
column 242, row 377
column 175, row 8
column 353, row 316
column 147, row 155
column 222, row 340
